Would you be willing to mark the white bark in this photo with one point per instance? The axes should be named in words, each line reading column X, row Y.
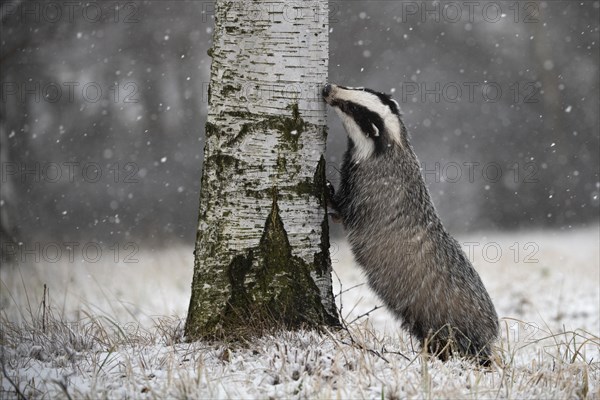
column 265, row 134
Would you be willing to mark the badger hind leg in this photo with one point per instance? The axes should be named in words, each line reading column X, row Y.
column 448, row 341
column 440, row 344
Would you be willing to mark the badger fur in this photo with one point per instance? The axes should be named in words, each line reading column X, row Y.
column 410, row 260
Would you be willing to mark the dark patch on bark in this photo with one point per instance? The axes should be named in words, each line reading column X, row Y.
column 270, row 287
column 290, row 127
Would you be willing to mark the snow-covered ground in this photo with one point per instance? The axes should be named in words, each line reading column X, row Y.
column 112, row 330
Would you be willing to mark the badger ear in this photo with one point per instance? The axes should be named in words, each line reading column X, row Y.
column 394, row 106
column 387, row 99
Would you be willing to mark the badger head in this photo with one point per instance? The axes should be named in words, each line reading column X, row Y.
column 371, row 119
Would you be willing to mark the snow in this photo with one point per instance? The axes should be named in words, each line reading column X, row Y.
column 114, row 330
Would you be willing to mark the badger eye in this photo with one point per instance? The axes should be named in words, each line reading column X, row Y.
column 376, row 130
column 369, row 122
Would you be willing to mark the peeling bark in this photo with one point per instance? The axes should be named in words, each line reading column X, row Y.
column 262, row 246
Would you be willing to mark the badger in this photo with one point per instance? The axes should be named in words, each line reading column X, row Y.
column 414, row 265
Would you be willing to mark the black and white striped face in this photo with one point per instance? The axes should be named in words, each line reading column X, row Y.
column 371, row 119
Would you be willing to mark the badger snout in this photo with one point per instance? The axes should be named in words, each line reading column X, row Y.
column 327, row 92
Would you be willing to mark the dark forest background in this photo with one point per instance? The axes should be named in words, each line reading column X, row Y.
column 104, row 103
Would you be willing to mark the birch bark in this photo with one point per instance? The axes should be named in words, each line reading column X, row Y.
column 262, row 246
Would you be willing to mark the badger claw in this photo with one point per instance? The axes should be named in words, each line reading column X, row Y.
column 332, row 208
column 330, row 189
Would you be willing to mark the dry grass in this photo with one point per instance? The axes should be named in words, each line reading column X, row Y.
column 93, row 337
column 97, row 358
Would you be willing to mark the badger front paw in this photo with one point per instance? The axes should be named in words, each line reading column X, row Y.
column 330, row 191
column 332, row 207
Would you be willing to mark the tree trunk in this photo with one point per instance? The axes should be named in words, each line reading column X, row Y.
column 262, row 247
column 9, row 232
